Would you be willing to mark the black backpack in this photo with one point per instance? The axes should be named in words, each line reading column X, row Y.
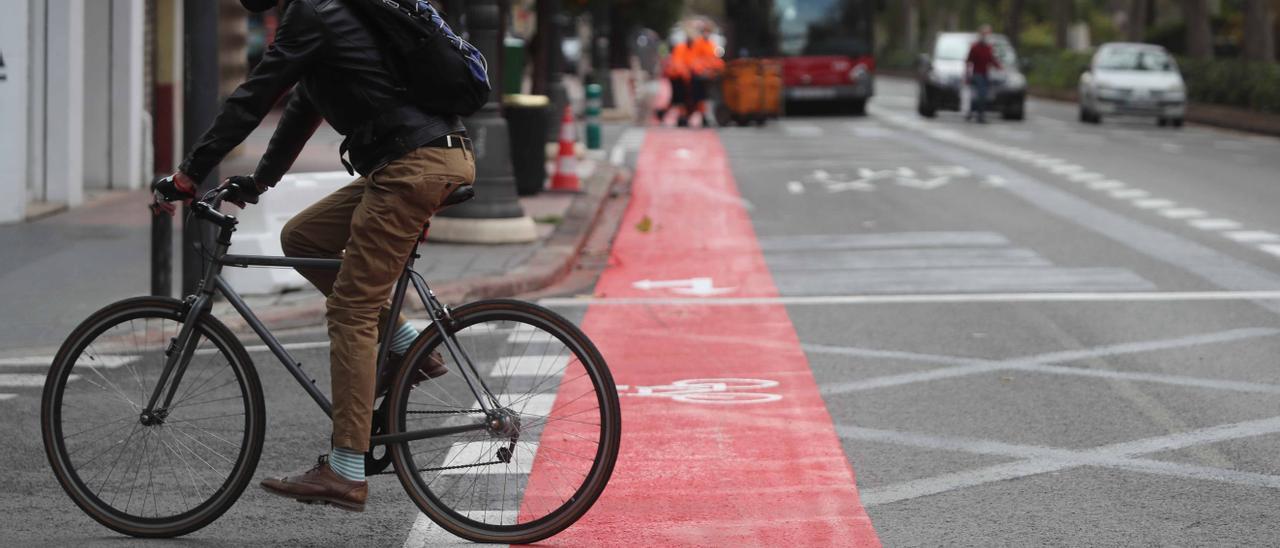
column 441, row 72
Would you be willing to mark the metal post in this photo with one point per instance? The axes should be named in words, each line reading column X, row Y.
column 550, row 24
column 495, row 215
column 200, row 106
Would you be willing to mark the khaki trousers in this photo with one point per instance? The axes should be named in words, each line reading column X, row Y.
column 373, row 225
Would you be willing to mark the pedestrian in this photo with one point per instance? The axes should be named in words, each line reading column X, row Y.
column 410, row 158
column 705, row 68
column 980, row 61
column 678, row 75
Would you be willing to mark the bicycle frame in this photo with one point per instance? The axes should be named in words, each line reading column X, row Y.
column 178, row 353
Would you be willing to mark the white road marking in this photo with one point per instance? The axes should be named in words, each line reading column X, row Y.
column 7, row 396
column 528, row 366
column 1154, row 203
column 1214, row 224
column 1183, row 213
column 25, row 380
column 1067, row 168
column 795, row 187
column 979, row 366
column 1253, row 236
column 105, row 362
column 1040, row 460
column 1086, row 176
column 1108, row 184
column 939, row 298
column 484, row 451
column 802, row 130
column 264, row 348
column 1172, row 148
column 425, row 533
column 1129, row 193
column 1273, row 249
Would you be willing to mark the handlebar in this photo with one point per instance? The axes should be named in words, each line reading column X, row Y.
column 206, row 209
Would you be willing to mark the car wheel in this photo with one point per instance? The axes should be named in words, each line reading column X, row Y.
column 1162, row 122
column 925, row 108
column 1015, row 113
column 1177, row 122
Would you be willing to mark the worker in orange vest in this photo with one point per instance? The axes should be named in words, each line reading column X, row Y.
column 705, row 66
column 679, row 73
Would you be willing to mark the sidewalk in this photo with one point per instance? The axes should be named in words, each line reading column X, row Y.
column 56, row 271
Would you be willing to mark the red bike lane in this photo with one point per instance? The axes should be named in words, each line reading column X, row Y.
column 700, row 465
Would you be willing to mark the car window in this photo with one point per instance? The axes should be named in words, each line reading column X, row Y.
column 1144, row 59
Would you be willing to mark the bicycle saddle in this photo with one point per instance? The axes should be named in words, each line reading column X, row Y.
column 459, row 195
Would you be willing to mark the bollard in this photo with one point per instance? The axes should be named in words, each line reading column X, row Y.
column 594, row 140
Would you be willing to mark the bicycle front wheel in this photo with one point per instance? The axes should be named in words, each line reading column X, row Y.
column 552, row 435
column 169, row 473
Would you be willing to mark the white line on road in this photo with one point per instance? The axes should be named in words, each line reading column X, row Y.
column 940, row 298
column 1183, row 213
column 1040, row 460
column 1154, row 203
column 1129, row 193
column 1215, row 224
column 106, row 362
column 25, row 380
column 1253, row 236
column 1108, row 184
column 1273, row 249
column 1040, row 363
column 7, row 396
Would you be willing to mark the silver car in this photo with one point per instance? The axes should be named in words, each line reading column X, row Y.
column 1130, row 79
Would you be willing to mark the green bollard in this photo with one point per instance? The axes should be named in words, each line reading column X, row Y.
column 594, row 138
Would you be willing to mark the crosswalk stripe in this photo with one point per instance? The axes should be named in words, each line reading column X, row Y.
column 7, row 396
column 527, row 366
column 107, row 362
column 26, row 380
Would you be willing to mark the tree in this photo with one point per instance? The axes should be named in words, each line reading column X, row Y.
column 1063, row 15
column 1013, row 21
column 1136, row 22
column 1259, row 36
column 1195, row 13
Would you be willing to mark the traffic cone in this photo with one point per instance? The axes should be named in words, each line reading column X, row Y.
column 566, row 177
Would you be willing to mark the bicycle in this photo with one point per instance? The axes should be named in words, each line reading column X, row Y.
column 154, row 430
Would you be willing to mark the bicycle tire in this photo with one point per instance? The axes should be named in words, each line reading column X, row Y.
column 245, row 380
column 608, row 438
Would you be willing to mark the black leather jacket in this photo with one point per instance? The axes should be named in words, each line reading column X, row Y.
column 341, row 78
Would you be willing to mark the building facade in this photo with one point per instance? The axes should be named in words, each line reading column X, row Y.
column 73, row 96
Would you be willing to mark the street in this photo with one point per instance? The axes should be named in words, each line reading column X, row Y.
column 851, row 330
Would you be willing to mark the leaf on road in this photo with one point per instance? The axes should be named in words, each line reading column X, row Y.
column 645, row 225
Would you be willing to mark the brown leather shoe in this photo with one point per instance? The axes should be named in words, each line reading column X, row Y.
column 321, row 485
column 429, row 368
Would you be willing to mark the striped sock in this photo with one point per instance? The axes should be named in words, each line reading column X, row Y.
column 347, row 463
column 403, row 337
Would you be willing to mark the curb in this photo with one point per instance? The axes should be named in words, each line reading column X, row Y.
column 551, row 263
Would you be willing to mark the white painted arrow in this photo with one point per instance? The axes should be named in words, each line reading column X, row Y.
column 698, row 287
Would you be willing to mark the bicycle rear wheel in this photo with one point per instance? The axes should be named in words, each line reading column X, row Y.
column 550, row 460
column 150, row 477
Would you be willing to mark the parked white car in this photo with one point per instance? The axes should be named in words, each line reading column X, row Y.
column 1133, row 80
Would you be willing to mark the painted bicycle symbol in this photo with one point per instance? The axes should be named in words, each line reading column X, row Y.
column 727, row 391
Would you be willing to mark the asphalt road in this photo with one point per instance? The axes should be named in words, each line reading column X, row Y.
column 1108, row 420
column 1025, row 333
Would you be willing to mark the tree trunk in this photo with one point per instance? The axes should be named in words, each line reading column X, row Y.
column 1063, row 15
column 1259, row 35
column 911, row 25
column 1195, row 13
column 1137, row 20
column 1013, row 22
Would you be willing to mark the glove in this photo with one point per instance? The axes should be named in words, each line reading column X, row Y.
column 176, row 187
column 241, row 190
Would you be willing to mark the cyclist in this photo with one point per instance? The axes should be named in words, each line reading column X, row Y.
column 979, row 62
column 409, row 161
